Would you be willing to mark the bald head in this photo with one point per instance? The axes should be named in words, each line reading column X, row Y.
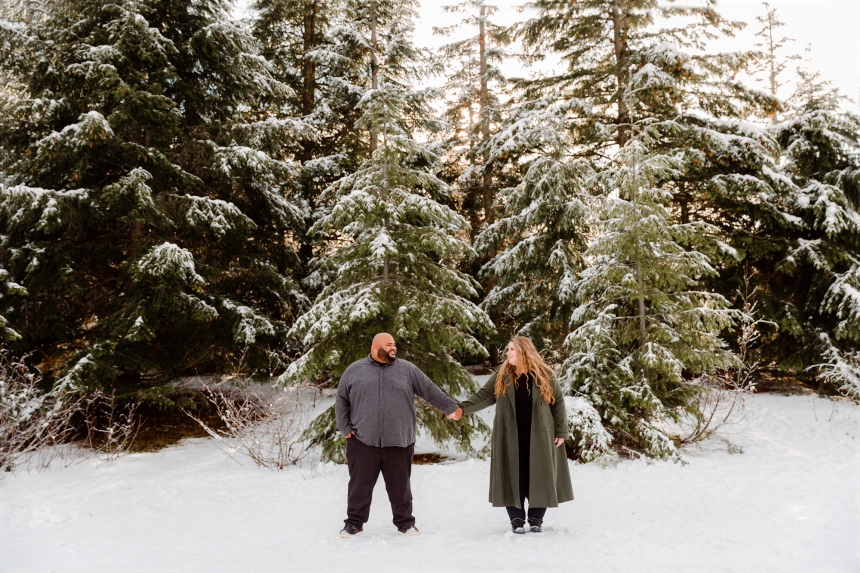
column 383, row 348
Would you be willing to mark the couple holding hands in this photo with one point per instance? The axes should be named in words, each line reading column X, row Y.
column 375, row 411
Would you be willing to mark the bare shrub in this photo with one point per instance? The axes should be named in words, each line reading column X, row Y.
column 31, row 420
column 111, row 426
column 723, row 392
column 268, row 430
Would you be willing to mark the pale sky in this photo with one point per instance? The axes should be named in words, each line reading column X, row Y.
column 829, row 27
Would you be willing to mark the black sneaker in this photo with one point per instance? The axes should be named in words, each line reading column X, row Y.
column 411, row 530
column 351, row 531
column 536, row 525
column 517, row 525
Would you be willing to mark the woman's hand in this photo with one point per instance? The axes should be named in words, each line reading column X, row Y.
column 559, row 441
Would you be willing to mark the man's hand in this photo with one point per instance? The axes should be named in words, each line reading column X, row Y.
column 559, row 441
column 352, row 433
column 456, row 414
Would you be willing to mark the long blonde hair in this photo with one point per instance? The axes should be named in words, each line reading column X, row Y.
column 528, row 361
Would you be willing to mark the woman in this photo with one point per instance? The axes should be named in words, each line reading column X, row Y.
column 527, row 460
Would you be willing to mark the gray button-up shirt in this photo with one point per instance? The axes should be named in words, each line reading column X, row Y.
column 376, row 401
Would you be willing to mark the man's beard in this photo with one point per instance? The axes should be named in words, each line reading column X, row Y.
column 383, row 356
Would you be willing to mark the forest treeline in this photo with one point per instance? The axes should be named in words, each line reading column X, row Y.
column 186, row 194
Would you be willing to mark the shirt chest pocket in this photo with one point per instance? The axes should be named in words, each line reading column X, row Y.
column 399, row 388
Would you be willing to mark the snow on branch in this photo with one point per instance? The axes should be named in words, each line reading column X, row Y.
column 168, row 261
column 24, row 209
column 215, row 215
column 92, row 128
column 843, row 300
column 590, row 439
column 247, row 323
column 841, row 369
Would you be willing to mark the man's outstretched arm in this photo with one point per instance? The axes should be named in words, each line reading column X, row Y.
column 430, row 392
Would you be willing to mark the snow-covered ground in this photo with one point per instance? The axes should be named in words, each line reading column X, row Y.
column 788, row 502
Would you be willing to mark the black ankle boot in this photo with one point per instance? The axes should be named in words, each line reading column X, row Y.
column 518, row 524
column 536, row 524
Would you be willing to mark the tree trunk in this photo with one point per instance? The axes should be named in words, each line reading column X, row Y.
column 773, row 66
column 622, row 73
column 488, row 194
column 642, row 330
column 638, row 256
column 487, row 184
column 308, row 104
column 494, row 355
column 385, row 264
column 374, row 68
column 684, row 202
column 309, row 67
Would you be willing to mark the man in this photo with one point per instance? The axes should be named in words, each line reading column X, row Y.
column 376, row 413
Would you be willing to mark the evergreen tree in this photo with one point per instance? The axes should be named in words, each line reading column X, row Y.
column 644, row 325
column 290, row 35
column 315, row 49
column 476, row 94
column 474, row 90
column 722, row 178
column 146, row 203
column 536, row 247
column 819, row 276
column 392, row 250
column 604, row 46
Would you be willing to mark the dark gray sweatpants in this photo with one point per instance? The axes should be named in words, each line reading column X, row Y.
column 365, row 462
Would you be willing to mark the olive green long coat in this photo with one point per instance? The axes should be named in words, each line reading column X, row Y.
column 549, row 475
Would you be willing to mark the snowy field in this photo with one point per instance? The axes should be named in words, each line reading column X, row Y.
column 788, row 502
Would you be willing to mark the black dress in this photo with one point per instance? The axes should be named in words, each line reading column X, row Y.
column 523, row 389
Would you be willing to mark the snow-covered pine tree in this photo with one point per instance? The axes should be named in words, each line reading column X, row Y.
column 290, row 33
column 819, row 285
column 392, row 249
column 535, row 248
column 144, row 205
column 644, row 325
column 476, row 94
column 602, row 45
column 314, row 50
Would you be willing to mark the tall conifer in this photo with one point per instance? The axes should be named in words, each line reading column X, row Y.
column 604, row 45
column 476, row 94
column 644, row 325
column 534, row 249
column 627, row 63
column 818, row 279
column 146, row 203
column 392, row 251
